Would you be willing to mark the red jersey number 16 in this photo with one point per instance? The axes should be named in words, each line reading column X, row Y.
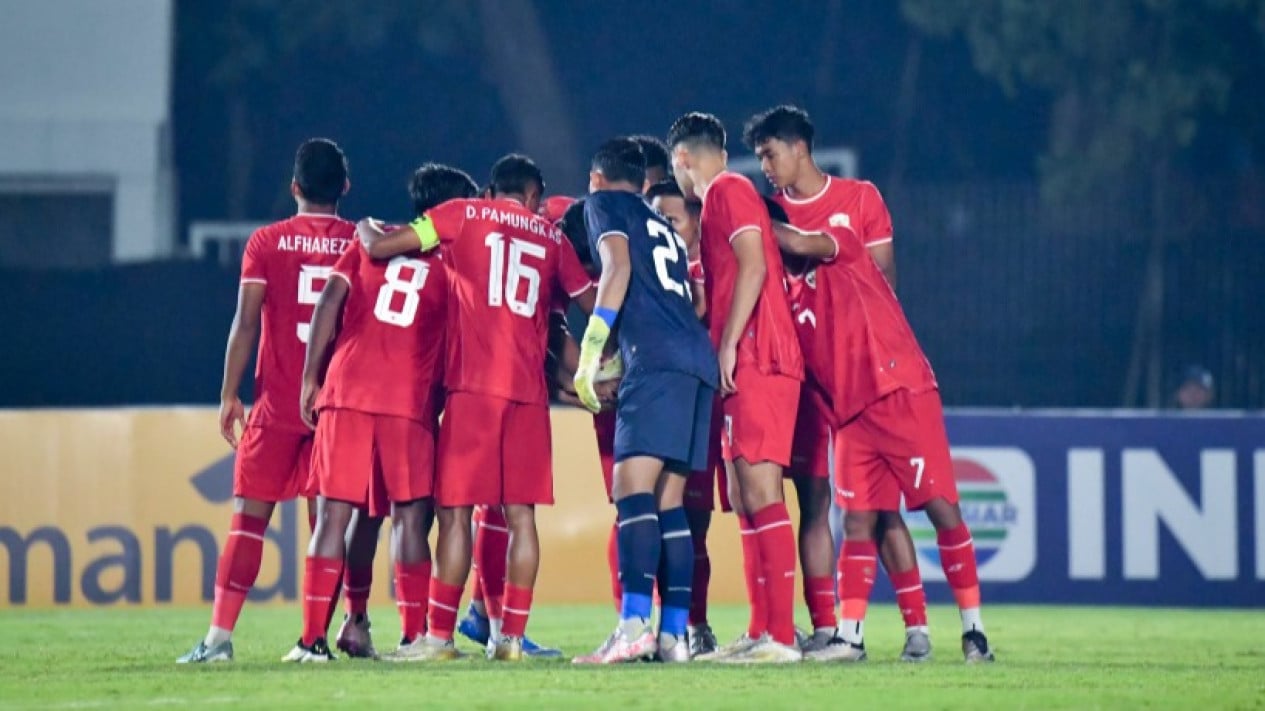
column 503, row 283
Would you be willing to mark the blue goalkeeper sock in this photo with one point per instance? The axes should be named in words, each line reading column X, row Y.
column 639, row 547
column 676, row 571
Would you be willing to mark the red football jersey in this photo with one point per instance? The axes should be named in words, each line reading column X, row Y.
column 731, row 205
column 389, row 355
column 842, row 202
column 862, row 347
column 505, row 265
column 293, row 258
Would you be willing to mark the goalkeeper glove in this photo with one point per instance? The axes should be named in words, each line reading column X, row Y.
column 591, row 346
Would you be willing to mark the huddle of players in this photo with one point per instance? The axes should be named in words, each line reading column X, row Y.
column 785, row 371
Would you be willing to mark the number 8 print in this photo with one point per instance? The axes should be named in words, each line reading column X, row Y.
column 403, row 317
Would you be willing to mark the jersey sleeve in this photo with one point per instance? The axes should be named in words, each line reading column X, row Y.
column 348, row 264
column 603, row 219
column 876, row 221
column 571, row 274
column 255, row 259
column 448, row 218
column 741, row 205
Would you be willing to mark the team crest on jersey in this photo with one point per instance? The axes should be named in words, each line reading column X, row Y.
column 841, row 219
column 811, row 278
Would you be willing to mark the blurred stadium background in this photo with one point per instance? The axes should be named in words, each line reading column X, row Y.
column 1078, row 191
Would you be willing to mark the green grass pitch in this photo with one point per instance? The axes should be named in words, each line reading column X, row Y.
column 1048, row 657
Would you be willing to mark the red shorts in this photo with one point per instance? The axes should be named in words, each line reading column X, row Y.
column 373, row 460
column 604, row 428
column 273, row 465
column 700, row 485
column 493, row 451
column 895, row 446
column 760, row 418
column 810, row 452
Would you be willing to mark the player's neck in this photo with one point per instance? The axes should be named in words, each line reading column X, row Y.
column 311, row 208
column 512, row 197
column 810, row 183
column 708, row 171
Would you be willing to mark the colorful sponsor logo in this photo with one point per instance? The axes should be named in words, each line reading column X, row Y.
column 997, row 498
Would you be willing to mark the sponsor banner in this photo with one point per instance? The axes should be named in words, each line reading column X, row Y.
column 1109, row 508
column 130, row 506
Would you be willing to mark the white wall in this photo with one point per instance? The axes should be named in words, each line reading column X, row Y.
column 85, row 89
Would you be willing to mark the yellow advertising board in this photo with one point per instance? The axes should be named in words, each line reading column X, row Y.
column 130, row 506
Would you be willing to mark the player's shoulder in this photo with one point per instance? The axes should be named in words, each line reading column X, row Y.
column 852, row 187
column 733, row 181
column 617, row 203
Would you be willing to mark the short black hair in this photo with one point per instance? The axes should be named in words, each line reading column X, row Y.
column 434, row 183
column 664, row 188
column 513, row 173
column 320, row 170
column 621, row 160
column 576, row 230
column 656, row 152
column 695, row 129
column 786, row 123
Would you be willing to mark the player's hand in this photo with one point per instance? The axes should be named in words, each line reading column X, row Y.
column 586, row 373
column 368, row 230
column 727, row 358
column 607, row 392
column 307, row 402
column 232, row 414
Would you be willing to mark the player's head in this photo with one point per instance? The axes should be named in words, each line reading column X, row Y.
column 782, row 139
column 697, row 142
column 618, row 164
column 516, row 176
column 320, row 173
column 573, row 226
column 666, row 197
column 433, row 183
column 657, row 161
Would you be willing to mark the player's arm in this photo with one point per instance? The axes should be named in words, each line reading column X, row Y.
column 752, row 269
column 877, row 227
column 885, row 257
column 699, row 295
column 802, row 243
column 243, row 335
column 380, row 244
column 564, row 358
column 324, row 324
column 612, row 288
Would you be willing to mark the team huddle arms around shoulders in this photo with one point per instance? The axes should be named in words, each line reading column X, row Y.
column 724, row 341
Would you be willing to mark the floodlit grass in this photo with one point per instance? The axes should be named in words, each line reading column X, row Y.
column 1048, row 657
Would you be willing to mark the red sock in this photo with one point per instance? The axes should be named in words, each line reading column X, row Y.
column 476, row 590
column 856, row 577
column 238, row 568
column 444, row 601
column 356, row 585
column 776, row 537
column 702, row 579
column 491, row 544
column 819, row 595
column 612, row 561
column 320, row 582
column 910, row 597
column 752, row 573
column 517, row 608
column 957, row 557
column 412, row 586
